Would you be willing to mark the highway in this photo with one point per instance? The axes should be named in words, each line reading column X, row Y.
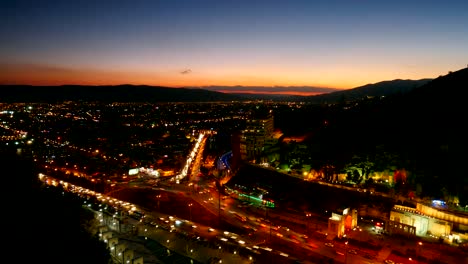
column 263, row 232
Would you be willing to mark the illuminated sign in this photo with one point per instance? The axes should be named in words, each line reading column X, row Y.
column 133, row 171
column 438, row 203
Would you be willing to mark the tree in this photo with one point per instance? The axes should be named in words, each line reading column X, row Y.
column 359, row 168
column 328, row 171
column 386, row 160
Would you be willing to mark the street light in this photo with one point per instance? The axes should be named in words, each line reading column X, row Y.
column 190, row 211
column 419, row 249
column 158, row 197
column 264, row 202
column 307, row 221
column 360, row 237
column 346, row 252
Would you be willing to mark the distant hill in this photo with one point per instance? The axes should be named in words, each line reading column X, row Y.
column 118, row 93
column 423, row 116
column 431, row 110
column 144, row 93
column 383, row 88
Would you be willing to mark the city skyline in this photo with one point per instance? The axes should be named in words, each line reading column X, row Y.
column 308, row 44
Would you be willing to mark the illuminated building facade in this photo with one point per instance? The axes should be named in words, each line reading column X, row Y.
column 259, row 129
column 425, row 220
column 342, row 221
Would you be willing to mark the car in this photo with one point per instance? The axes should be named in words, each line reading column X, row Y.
column 329, row 244
column 352, row 251
column 389, row 261
column 312, row 245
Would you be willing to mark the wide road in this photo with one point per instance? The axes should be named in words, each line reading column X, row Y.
column 262, row 232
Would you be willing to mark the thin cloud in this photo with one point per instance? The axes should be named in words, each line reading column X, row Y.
column 187, row 71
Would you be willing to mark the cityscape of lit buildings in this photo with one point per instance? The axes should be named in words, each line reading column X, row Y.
column 110, row 145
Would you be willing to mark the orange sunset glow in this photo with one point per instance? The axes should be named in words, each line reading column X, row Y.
column 340, row 79
column 299, row 44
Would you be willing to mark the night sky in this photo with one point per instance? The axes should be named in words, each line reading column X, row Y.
column 335, row 44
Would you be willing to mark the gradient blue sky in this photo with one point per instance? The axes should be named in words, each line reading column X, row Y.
column 338, row 44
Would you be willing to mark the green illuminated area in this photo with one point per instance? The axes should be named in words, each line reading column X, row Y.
column 250, row 198
column 254, row 199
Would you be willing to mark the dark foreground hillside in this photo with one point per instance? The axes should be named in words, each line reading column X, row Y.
column 44, row 225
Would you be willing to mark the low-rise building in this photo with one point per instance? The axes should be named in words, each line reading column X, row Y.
column 425, row 220
column 342, row 221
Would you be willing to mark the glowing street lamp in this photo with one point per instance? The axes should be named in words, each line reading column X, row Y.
column 190, row 210
column 346, row 252
column 360, row 237
column 419, row 249
column 158, row 197
column 308, row 215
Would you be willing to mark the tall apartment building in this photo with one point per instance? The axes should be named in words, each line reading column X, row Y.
column 258, row 131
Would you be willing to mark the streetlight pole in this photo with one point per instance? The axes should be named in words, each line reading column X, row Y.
column 419, row 249
column 346, row 252
column 360, row 238
column 158, row 197
column 266, row 216
column 190, row 211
